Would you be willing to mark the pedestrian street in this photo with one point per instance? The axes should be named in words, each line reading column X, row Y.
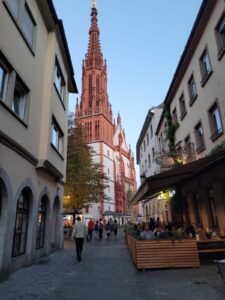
column 107, row 272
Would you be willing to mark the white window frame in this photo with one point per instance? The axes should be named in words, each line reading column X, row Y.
column 19, row 102
column 19, row 20
column 4, row 82
column 59, row 81
column 57, row 141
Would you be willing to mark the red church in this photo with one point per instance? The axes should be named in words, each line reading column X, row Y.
column 107, row 138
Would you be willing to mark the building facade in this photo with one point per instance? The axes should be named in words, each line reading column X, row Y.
column 195, row 104
column 94, row 115
column 35, row 79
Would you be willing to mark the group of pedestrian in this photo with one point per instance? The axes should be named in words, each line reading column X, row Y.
column 80, row 231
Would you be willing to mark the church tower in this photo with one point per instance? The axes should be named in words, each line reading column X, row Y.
column 94, row 113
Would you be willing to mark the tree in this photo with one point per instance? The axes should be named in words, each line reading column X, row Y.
column 86, row 181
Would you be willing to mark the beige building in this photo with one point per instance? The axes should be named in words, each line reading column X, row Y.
column 36, row 75
column 196, row 103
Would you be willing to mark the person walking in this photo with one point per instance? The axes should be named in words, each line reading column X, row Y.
column 115, row 228
column 96, row 230
column 108, row 230
column 79, row 233
column 90, row 228
column 100, row 230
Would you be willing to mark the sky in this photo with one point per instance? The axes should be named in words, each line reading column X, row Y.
column 142, row 42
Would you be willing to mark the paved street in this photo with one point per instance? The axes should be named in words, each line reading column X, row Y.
column 106, row 272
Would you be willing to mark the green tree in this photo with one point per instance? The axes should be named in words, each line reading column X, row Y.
column 86, row 181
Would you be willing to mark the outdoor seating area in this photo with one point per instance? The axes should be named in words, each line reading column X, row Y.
column 161, row 248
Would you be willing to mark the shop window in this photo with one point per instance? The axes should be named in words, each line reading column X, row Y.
column 21, row 224
column 41, row 223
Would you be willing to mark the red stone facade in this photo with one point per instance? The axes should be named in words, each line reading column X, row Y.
column 94, row 115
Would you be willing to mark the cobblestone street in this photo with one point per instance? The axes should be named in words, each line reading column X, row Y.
column 106, row 272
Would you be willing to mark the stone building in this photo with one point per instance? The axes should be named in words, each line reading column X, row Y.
column 36, row 75
column 196, row 103
column 94, row 115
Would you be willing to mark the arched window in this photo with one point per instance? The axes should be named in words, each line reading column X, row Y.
column 21, row 224
column 41, row 223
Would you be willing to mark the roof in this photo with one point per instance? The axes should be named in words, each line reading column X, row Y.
column 176, row 176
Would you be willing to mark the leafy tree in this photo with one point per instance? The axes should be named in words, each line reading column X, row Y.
column 86, row 181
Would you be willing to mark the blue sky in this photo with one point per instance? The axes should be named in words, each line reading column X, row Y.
column 142, row 42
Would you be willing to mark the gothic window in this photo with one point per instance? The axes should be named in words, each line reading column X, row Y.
column 97, row 85
column 97, row 130
column 41, row 223
column 21, row 224
column 90, row 84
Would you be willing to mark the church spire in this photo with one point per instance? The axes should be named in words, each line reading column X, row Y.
column 94, row 57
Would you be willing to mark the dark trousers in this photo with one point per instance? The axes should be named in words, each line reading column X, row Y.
column 90, row 233
column 79, row 247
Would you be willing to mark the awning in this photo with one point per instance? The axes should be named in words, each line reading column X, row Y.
column 174, row 177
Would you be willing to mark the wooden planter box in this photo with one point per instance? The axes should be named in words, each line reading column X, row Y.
column 155, row 254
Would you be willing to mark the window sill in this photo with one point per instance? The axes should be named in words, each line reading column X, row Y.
column 221, row 53
column 14, row 114
column 216, row 135
column 206, row 78
column 183, row 115
column 200, row 149
column 60, row 98
column 192, row 100
column 57, row 151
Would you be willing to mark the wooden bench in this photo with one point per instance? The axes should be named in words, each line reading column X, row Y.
column 154, row 254
column 211, row 246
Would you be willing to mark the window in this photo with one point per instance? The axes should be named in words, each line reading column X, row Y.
column 199, row 136
column 19, row 99
column 57, row 137
column 149, row 161
column 141, row 151
column 174, row 116
column 41, row 223
column 13, row 6
column 21, row 224
column 146, row 165
column 151, row 131
column 205, row 66
column 97, row 85
column 183, row 110
column 28, row 25
column 144, row 146
column 147, row 137
column 153, row 153
column 192, row 89
column 24, row 20
column 215, row 122
column 220, row 37
column 59, row 81
column 3, row 82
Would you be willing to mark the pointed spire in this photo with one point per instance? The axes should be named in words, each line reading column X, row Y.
column 94, row 57
column 118, row 119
